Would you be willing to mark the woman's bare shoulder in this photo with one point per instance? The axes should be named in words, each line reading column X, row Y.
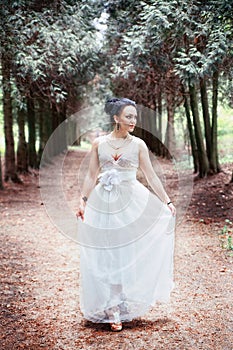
column 140, row 142
column 98, row 140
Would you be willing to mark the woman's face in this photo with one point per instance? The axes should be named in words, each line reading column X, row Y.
column 127, row 119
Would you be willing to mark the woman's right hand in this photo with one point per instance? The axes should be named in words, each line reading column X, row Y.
column 81, row 209
column 172, row 208
column 80, row 213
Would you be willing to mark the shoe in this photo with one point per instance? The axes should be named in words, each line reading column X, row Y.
column 116, row 326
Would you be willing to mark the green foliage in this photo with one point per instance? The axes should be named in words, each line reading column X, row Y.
column 192, row 63
column 152, row 47
column 166, row 48
column 53, row 53
column 225, row 122
column 225, row 132
column 226, row 236
column 188, row 38
column 54, row 48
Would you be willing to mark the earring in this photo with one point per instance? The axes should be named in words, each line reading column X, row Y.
column 117, row 126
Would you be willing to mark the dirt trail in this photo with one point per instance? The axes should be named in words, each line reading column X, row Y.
column 40, row 271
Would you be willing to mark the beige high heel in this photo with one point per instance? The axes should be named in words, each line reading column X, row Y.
column 117, row 325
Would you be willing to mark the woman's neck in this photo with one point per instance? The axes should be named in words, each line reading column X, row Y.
column 119, row 134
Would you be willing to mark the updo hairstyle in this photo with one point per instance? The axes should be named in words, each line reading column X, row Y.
column 114, row 106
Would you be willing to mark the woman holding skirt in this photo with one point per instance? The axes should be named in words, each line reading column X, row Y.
column 126, row 233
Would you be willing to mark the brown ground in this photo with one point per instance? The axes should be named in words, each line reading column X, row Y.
column 40, row 270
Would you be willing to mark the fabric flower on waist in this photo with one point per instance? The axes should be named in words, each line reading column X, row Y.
column 109, row 178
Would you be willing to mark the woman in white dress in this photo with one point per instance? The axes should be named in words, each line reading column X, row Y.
column 126, row 232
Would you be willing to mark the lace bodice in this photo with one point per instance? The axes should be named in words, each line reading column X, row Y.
column 124, row 158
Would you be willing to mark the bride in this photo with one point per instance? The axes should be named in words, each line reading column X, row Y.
column 126, row 232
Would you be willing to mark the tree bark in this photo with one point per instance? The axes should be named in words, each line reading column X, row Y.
column 45, row 128
column 215, row 167
column 191, row 133
column 45, row 125
column 63, row 129
column 143, row 132
column 22, row 154
column 206, row 116
column 162, row 149
column 32, row 156
column 42, row 133
column 147, row 134
column 153, row 132
column 203, row 164
column 1, row 181
column 55, row 141
column 160, row 112
column 170, row 131
column 10, row 166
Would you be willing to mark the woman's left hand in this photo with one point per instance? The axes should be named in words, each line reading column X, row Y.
column 172, row 208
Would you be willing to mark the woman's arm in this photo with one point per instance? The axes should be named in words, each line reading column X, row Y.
column 90, row 179
column 153, row 180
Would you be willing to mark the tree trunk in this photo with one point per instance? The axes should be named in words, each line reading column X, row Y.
column 191, row 133
column 143, row 132
column 162, row 149
column 10, row 166
column 231, row 177
column 77, row 137
column 1, row 182
column 32, row 156
column 45, row 129
column 73, row 133
column 55, row 122
column 160, row 112
column 42, row 137
column 62, row 129
column 22, row 154
column 203, row 164
column 153, row 132
column 147, row 134
column 170, row 131
column 215, row 167
column 44, row 126
column 206, row 116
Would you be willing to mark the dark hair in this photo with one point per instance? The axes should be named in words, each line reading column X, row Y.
column 114, row 106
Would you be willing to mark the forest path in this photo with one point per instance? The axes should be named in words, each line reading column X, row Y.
column 40, row 270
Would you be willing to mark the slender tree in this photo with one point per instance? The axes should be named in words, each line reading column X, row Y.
column 214, row 130
column 194, row 149
column 31, row 120
column 203, row 165
column 10, row 166
column 231, row 177
column 1, row 182
column 206, row 116
column 22, row 151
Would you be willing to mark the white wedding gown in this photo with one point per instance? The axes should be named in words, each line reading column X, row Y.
column 126, row 241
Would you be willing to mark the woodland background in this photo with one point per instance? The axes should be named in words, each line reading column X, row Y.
column 61, row 59
column 174, row 57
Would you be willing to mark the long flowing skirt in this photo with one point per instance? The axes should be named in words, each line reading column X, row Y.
column 126, row 252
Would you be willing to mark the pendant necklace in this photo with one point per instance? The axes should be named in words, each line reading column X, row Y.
column 126, row 139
